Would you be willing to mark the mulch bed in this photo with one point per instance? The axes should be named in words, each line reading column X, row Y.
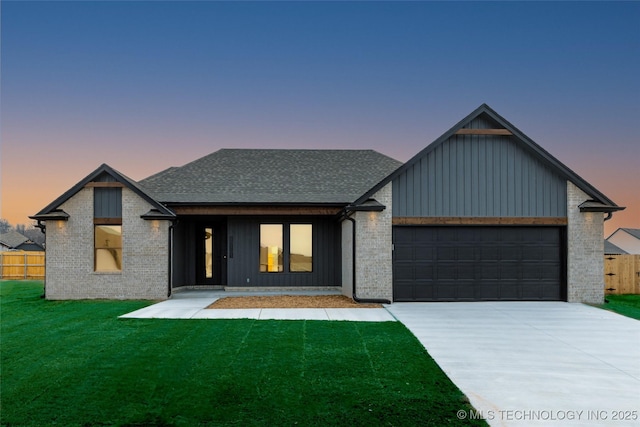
column 290, row 301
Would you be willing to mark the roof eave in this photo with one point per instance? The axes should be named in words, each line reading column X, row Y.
column 56, row 215
column 595, row 206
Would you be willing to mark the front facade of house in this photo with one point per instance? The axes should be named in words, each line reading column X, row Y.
column 482, row 213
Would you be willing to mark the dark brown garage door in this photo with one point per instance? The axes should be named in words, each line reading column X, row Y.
column 477, row 263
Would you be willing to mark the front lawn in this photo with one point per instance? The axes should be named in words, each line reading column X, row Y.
column 73, row 363
column 627, row 305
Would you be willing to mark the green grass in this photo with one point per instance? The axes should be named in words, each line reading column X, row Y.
column 627, row 305
column 73, row 363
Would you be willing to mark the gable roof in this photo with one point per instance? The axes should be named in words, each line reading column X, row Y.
column 611, row 249
column 256, row 176
column 12, row 239
column 604, row 203
column 51, row 211
column 635, row 232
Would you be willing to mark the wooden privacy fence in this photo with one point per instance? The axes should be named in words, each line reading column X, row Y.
column 622, row 274
column 21, row 265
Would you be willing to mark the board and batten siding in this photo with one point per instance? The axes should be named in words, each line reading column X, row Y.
column 479, row 176
column 243, row 250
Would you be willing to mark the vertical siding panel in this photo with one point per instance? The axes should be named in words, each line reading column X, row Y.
column 432, row 184
column 461, row 176
column 513, row 183
column 401, row 195
column 395, row 209
column 424, row 187
column 525, row 185
column 474, row 178
column 467, row 197
column 553, row 197
column 482, row 176
column 410, row 190
column 417, row 187
column 503, row 196
column 497, row 178
column 444, row 210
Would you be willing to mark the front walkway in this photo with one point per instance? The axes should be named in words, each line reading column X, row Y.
column 534, row 363
column 192, row 305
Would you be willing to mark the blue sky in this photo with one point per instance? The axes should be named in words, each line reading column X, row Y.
column 147, row 85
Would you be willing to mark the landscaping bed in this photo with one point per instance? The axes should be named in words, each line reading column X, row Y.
column 290, row 301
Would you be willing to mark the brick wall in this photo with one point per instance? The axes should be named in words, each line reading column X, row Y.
column 585, row 247
column 374, row 263
column 70, row 252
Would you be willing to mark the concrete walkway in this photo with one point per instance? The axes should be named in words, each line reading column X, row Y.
column 192, row 305
column 534, row 363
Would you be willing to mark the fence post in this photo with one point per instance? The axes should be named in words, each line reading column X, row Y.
column 1, row 265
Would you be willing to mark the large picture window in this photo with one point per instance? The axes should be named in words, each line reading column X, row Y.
column 300, row 248
column 108, row 248
column 298, row 253
column 271, row 248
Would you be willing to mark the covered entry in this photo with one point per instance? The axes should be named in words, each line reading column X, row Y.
column 478, row 263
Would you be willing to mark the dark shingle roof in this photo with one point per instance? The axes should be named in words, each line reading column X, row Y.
column 611, row 249
column 272, row 176
column 12, row 239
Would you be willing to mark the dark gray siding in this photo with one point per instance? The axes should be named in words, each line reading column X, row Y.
column 479, row 176
column 244, row 249
column 107, row 202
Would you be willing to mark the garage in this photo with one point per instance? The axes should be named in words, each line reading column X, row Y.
column 478, row 263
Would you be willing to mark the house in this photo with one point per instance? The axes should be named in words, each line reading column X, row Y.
column 13, row 240
column 482, row 213
column 628, row 239
column 611, row 249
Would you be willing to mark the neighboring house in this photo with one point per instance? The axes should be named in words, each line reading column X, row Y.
column 482, row 213
column 611, row 249
column 628, row 239
column 12, row 240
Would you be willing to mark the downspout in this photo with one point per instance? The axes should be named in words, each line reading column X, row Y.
column 608, row 217
column 43, row 229
column 170, row 267
column 353, row 269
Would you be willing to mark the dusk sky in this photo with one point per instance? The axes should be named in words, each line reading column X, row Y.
column 143, row 86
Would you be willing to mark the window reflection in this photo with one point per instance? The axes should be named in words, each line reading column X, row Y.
column 208, row 252
column 271, row 248
column 108, row 248
column 300, row 248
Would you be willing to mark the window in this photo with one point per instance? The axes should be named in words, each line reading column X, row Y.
column 208, row 253
column 107, row 226
column 108, row 248
column 300, row 248
column 271, row 251
column 298, row 254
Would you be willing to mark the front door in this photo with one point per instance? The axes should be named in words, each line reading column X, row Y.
column 211, row 256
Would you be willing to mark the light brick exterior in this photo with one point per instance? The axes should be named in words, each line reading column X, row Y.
column 374, row 263
column 585, row 250
column 70, row 253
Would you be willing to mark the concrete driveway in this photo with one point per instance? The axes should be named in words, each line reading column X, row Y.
column 534, row 363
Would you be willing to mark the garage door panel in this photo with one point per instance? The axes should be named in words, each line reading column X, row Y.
column 477, row 263
column 446, row 271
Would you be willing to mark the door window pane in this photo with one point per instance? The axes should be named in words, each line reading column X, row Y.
column 208, row 253
column 108, row 248
column 271, row 248
column 301, row 248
